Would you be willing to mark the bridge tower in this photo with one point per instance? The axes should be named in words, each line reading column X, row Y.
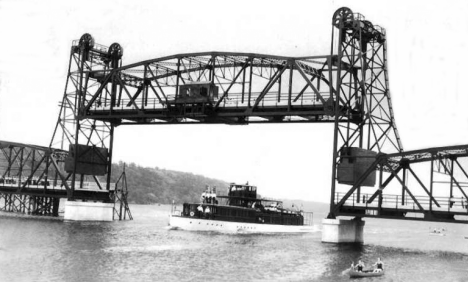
column 364, row 121
column 89, row 142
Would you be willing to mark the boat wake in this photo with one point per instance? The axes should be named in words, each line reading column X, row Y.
column 345, row 272
column 145, row 249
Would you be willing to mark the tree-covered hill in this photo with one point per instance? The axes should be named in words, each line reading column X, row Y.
column 154, row 185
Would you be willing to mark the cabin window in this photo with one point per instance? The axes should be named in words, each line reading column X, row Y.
column 203, row 91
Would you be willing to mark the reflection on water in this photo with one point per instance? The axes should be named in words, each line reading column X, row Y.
column 144, row 250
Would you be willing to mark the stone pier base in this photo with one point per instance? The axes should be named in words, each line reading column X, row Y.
column 88, row 211
column 342, row 231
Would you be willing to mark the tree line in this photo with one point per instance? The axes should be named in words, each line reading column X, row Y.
column 148, row 185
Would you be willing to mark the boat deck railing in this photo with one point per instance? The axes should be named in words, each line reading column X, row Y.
column 308, row 218
column 241, row 214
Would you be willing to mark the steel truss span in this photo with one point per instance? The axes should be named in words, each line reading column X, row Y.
column 24, row 167
column 33, row 180
column 214, row 87
column 446, row 168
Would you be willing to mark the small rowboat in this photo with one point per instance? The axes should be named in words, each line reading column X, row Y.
column 370, row 273
column 436, row 234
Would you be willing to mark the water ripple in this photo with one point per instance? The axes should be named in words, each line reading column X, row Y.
column 144, row 250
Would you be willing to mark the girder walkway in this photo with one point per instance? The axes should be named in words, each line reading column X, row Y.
column 58, row 192
column 454, row 210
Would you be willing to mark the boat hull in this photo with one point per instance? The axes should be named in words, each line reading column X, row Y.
column 199, row 224
column 356, row 274
column 436, row 234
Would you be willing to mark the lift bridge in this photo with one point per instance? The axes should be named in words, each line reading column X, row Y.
column 348, row 88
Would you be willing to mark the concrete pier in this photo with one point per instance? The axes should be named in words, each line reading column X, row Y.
column 342, row 231
column 88, row 211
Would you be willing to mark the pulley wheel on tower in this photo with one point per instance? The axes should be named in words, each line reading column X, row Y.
column 115, row 51
column 379, row 34
column 344, row 15
column 368, row 26
column 86, row 41
column 115, row 54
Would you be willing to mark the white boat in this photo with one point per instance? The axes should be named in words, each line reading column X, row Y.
column 241, row 212
column 437, row 232
column 197, row 224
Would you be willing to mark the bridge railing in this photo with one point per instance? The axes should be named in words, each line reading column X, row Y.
column 234, row 100
column 454, row 204
column 49, row 184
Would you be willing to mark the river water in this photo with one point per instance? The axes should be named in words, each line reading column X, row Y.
column 145, row 250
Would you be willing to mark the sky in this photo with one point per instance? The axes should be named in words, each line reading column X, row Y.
column 427, row 61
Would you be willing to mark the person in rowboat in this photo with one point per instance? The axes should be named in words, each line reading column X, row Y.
column 379, row 265
column 359, row 266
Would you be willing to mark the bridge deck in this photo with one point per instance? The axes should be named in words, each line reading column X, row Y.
column 225, row 115
column 453, row 210
column 59, row 192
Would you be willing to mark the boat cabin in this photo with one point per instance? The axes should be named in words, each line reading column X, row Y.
column 242, row 195
column 242, row 204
